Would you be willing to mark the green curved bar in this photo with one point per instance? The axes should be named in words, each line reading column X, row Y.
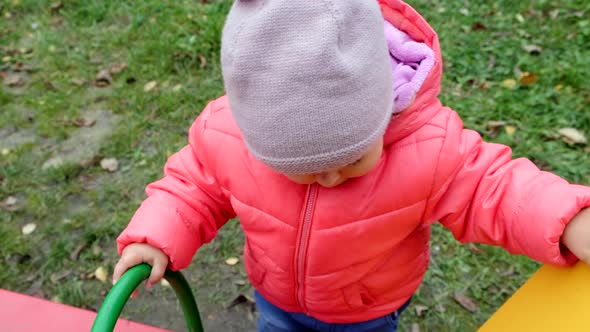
column 109, row 312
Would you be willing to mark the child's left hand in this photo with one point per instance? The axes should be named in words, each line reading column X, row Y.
column 576, row 236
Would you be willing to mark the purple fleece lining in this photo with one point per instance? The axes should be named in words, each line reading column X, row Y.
column 411, row 63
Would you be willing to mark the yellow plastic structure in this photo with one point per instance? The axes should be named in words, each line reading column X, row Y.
column 553, row 299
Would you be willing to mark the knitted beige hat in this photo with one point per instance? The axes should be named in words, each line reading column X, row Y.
column 309, row 82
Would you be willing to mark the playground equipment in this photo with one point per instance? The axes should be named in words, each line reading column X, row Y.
column 109, row 312
column 553, row 299
column 22, row 313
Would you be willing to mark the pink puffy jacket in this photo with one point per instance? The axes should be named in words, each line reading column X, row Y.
column 360, row 250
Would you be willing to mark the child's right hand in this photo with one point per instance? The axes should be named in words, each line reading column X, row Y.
column 138, row 253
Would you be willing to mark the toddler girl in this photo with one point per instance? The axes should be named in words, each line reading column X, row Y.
column 336, row 154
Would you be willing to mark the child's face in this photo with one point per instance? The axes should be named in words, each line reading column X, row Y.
column 335, row 177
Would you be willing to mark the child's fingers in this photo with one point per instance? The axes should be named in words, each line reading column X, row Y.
column 124, row 264
column 158, row 270
column 135, row 294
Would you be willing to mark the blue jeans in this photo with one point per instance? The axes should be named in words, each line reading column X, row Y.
column 274, row 319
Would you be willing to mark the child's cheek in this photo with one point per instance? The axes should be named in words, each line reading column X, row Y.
column 363, row 168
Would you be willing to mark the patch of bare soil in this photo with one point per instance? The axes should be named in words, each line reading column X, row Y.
column 83, row 145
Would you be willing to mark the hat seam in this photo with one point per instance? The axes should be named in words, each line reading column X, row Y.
column 240, row 28
column 334, row 12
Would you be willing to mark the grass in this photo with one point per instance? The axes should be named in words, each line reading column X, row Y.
column 177, row 45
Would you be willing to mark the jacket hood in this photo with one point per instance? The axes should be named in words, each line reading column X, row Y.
column 425, row 101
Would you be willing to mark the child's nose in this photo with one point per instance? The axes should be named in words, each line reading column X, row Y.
column 328, row 179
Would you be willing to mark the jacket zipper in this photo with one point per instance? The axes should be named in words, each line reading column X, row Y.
column 302, row 245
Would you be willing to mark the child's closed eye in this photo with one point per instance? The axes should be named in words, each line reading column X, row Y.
column 356, row 162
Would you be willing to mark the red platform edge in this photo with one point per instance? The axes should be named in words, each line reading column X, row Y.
column 22, row 313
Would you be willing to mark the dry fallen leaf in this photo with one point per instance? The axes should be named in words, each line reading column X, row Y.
column 74, row 254
column 474, row 249
column 572, row 136
column 11, row 204
column 232, row 261
column 495, row 124
column 57, row 21
column 478, row 26
column 509, row 83
column 56, row 6
column 29, row 228
column 103, row 78
column 96, row 250
column 510, row 130
column 117, row 68
column 56, row 277
column 579, row 14
column 78, row 81
column 109, row 164
column 484, row 85
column 241, row 299
column 150, row 86
column 101, row 274
column 240, row 282
column 533, row 49
column 10, row 201
column 84, row 122
column 21, row 67
column 528, row 78
column 14, row 80
column 420, row 309
column 203, row 61
column 508, row 272
column 493, row 128
column 465, row 301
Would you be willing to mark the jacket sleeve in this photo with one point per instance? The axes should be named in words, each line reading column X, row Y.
column 184, row 209
column 483, row 195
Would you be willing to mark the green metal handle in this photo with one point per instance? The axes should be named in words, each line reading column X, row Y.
column 111, row 308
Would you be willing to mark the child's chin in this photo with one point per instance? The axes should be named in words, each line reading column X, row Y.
column 332, row 185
